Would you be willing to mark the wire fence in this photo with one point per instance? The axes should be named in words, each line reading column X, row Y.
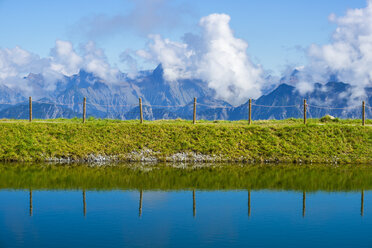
column 208, row 111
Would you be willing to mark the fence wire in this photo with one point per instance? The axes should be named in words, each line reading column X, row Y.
column 275, row 106
column 327, row 107
column 113, row 109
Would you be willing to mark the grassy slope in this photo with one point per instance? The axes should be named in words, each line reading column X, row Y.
column 286, row 141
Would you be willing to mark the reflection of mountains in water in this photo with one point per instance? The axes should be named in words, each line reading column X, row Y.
column 181, row 177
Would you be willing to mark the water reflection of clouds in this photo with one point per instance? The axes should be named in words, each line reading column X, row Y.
column 153, row 198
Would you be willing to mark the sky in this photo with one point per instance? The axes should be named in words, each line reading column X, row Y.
column 276, row 31
column 258, row 37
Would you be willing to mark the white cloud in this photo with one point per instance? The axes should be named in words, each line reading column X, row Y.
column 17, row 63
column 348, row 56
column 215, row 56
column 225, row 64
column 64, row 59
column 95, row 61
column 145, row 17
column 174, row 57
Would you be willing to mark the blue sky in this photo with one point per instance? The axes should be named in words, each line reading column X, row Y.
column 277, row 31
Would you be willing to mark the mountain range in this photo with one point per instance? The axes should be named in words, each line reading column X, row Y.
column 170, row 100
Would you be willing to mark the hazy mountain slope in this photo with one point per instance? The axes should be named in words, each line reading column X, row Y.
column 169, row 100
column 9, row 96
column 39, row 111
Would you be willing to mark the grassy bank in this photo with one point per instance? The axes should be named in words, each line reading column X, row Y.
column 344, row 141
column 202, row 176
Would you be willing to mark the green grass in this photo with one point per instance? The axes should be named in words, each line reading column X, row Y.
column 344, row 141
column 176, row 177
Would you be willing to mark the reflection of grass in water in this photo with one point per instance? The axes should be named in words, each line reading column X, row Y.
column 165, row 177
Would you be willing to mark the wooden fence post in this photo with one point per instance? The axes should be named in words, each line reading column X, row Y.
column 364, row 113
column 250, row 112
column 305, row 111
column 194, row 116
column 141, row 112
column 84, row 109
column 30, row 108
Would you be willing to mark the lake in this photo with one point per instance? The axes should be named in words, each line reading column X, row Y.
column 140, row 205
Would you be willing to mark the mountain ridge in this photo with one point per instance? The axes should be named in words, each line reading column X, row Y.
column 169, row 100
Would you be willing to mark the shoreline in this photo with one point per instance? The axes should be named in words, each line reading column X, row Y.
column 146, row 156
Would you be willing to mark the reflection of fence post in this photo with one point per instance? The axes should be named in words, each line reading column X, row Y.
column 140, row 204
column 30, row 202
column 194, row 116
column 362, row 204
column 364, row 113
column 84, row 203
column 303, row 203
column 140, row 107
column 193, row 204
column 249, row 203
column 30, row 108
column 84, row 109
column 304, row 111
column 250, row 112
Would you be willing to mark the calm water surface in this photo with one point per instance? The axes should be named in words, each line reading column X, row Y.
column 184, row 218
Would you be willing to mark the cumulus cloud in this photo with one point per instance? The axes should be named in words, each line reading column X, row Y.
column 146, row 16
column 64, row 60
column 215, row 56
column 175, row 57
column 348, row 55
column 18, row 62
column 95, row 61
